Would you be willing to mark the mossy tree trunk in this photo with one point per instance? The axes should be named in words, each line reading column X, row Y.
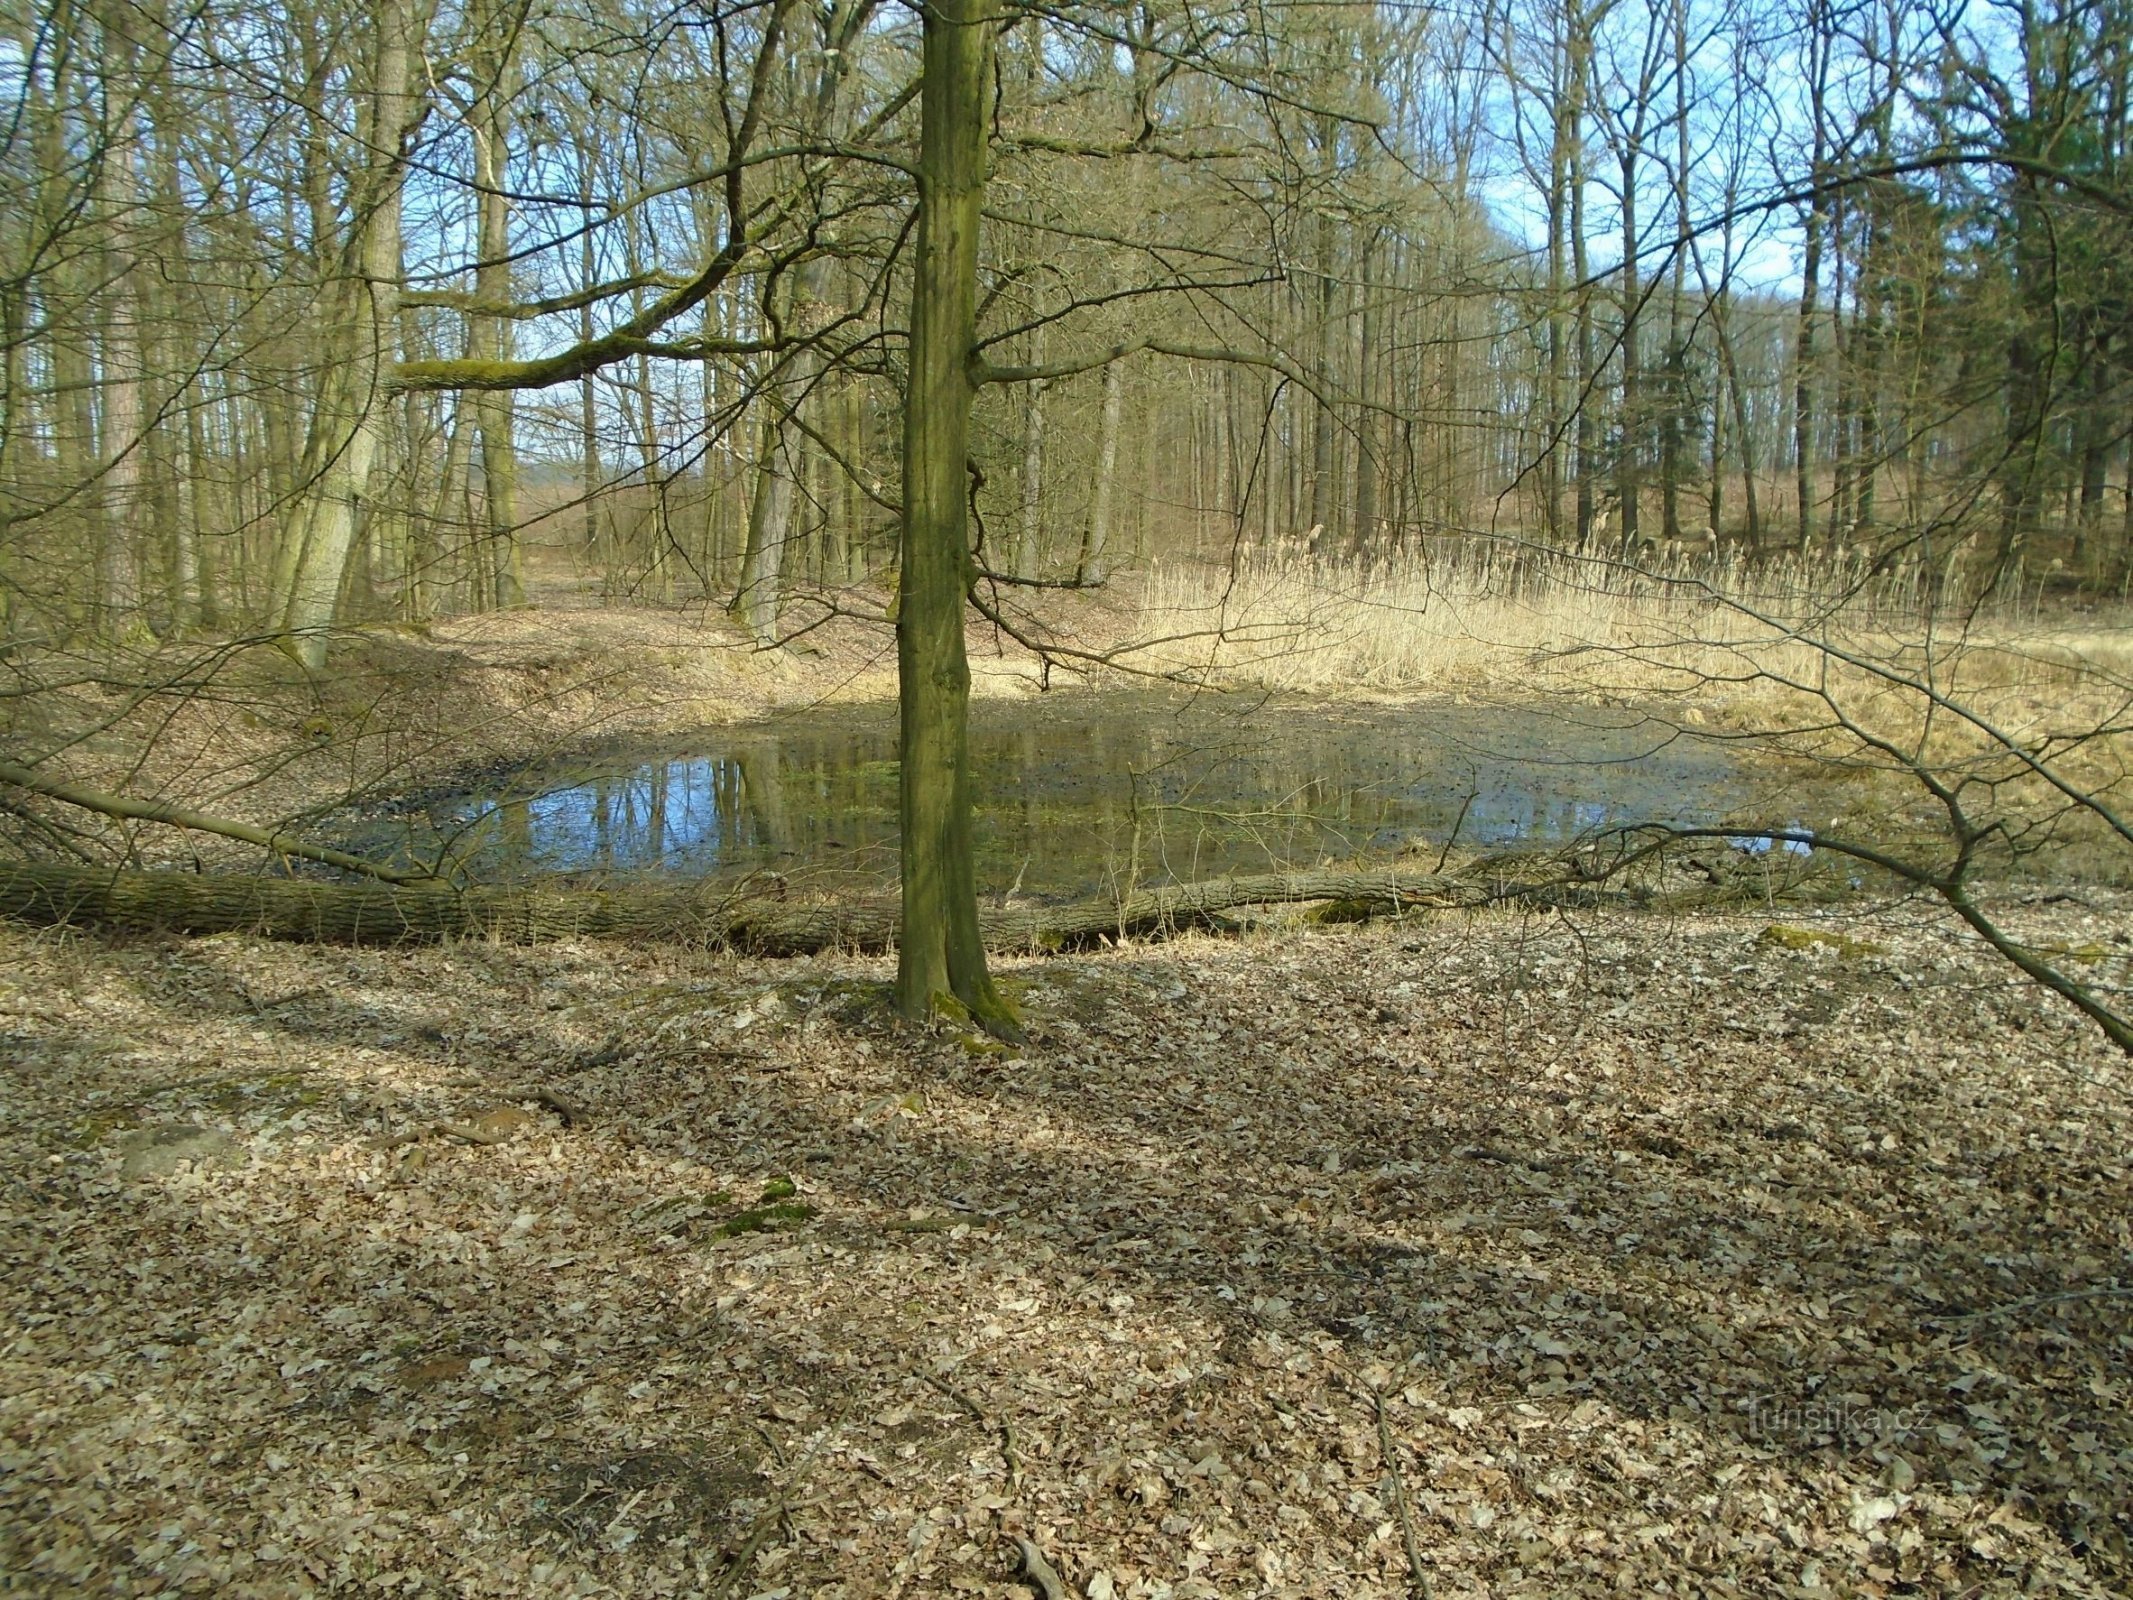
column 941, row 957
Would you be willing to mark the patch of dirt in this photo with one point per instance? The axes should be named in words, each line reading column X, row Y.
column 1674, row 1258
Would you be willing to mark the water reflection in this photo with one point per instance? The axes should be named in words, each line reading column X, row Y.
column 1075, row 792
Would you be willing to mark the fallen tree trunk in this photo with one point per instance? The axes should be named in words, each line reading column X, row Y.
column 698, row 914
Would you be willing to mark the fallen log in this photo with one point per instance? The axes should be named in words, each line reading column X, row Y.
column 706, row 914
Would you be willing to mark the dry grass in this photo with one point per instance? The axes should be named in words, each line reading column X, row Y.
column 1498, row 620
column 2020, row 710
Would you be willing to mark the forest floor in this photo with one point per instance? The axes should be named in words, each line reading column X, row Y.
column 1454, row 1255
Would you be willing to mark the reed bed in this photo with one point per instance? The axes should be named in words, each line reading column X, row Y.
column 1495, row 618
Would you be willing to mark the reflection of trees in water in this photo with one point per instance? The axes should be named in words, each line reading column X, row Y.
column 1114, row 790
column 763, row 787
column 691, row 810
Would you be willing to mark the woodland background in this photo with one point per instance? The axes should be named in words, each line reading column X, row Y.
column 323, row 315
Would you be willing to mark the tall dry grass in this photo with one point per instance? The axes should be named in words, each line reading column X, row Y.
column 1496, row 619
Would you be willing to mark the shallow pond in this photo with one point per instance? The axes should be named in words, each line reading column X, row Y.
column 1075, row 791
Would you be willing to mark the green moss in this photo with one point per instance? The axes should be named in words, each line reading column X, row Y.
column 858, row 1003
column 655, row 1217
column 2087, row 954
column 947, row 1008
column 777, row 1189
column 765, row 1219
column 97, row 1125
column 1783, row 936
column 918, row 1225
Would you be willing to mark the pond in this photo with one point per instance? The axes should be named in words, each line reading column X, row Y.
column 1075, row 792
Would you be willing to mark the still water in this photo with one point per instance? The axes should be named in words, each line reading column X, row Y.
column 1077, row 791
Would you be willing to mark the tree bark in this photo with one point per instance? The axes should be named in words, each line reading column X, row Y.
column 758, row 600
column 1578, row 70
column 496, row 409
column 1029, row 541
column 176, row 816
column 361, row 313
column 941, row 957
column 123, row 446
column 1096, row 537
column 1803, row 401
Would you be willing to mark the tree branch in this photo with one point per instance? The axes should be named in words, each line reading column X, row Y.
column 113, row 805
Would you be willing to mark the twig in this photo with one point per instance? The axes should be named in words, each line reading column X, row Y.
column 2115, row 1292
column 781, row 1507
column 747, row 1552
column 1042, row 1575
column 1399, row 1502
column 571, row 1111
column 272, row 840
column 1007, row 1429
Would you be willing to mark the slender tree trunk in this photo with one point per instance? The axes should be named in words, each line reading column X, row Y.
column 123, row 446
column 1580, row 75
column 1029, row 551
column 1564, row 131
column 2028, row 398
column 1327, row 322
column 941, row 956
column 1675, row 420
column 1721, row 303
column 1365, row 533
column 760, row 597
column 790, row 393
column 496, row 409
column 1803, row 400
column 1628, row 466
column 199, row 537
column 1096, row 536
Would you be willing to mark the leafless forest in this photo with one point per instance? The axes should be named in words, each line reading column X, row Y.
column 316, row 319
column 1136, row 801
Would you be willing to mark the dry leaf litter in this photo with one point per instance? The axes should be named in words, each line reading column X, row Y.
column 1495, row 1256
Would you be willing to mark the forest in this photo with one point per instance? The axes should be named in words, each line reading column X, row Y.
column 1149, row 800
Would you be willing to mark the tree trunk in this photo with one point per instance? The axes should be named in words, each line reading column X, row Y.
column 361, row 313
column 1564, row 128
column 1365, row 534
column 1803, row 401
column 121, row 499
column 941, row 956
column 720, row 915
column 1579, row 72
column 1097, row 535
column 758, row 600
column 496, row 409
column 1029, row 546
column 1627, row 466
column 1674, row 421
column 1323, row 438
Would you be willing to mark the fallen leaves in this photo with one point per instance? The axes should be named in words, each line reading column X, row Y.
column 1518, row 1257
